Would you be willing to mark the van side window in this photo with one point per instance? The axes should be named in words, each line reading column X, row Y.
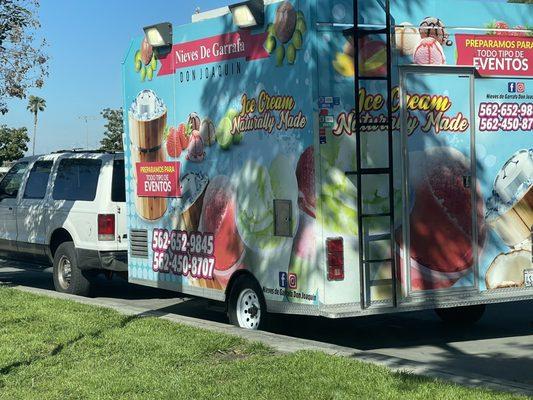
column 10, row 185
column 118, row 186
column 38, row 180
column 76, row 179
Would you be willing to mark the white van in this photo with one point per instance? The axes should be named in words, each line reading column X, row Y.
column 66, row 209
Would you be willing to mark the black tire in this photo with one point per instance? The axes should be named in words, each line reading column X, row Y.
column 468, row 315
column 257, row 310
column 79, row 282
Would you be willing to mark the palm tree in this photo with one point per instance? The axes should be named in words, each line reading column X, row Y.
column 35, row 104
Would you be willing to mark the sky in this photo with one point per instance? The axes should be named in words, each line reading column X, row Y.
column 87, row 41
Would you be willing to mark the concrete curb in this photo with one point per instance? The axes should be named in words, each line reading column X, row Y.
column 287, row 344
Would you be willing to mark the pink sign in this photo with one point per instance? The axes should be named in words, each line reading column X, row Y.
column 241, row 44
column 159, row 179
column 494, row 55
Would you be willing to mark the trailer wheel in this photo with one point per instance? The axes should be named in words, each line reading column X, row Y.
column 246, row 304
column 68, row 278
column 468, row 315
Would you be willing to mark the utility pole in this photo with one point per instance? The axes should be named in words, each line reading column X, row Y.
column 87, row 118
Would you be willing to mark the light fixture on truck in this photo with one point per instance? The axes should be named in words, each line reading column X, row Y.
column 335, row 259
column 248, row 14
column 106, row 227
column 159, row 36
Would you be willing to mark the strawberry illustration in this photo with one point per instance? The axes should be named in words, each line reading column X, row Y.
column 519, row 28
column 174, row 145
column 183, row 134
column 499, row 28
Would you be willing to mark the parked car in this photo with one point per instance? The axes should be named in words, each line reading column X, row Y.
column 66, row 209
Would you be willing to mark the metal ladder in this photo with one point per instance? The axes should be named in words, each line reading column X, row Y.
column 365, row 262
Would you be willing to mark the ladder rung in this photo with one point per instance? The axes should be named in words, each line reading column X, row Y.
column 364, row 31
column 378, row 238
column 376, row 171
column 370, row 171
column 378, row 261
column 379, row 282
column 372, row 78
column 370, row 31
column 387, row 214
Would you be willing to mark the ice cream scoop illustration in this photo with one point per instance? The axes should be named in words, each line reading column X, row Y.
column 441, row 232
column 432, row 27
column 429, row 52
column 218, row 218
column 208, row 132
column 257, row 187
column 407, row 38
column 194, row 122
column 196, row 151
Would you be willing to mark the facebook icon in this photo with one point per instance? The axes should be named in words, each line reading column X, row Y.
column 283, row 279
column 511, row 87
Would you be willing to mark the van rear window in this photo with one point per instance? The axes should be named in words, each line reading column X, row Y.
column 118, row 186
column 77, row 179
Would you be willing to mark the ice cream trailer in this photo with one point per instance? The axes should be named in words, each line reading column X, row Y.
column 299, row 157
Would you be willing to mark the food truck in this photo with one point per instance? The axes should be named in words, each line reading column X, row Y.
column 299, row 157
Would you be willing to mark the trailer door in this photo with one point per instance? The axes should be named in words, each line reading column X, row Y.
column 439, row 238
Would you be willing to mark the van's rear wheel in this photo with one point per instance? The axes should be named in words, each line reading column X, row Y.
column 468, row 315
column 246, row 304
column 68, row 278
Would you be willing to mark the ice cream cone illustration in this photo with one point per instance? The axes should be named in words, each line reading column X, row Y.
column 187, row 209
column 147, row 122
column 510, row 215
column 510, row 211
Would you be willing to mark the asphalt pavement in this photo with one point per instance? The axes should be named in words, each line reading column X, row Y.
column 497, row 352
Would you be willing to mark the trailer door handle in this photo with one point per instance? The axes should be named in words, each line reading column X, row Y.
column 467, row 181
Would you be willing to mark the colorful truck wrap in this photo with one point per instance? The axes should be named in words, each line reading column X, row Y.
column 239, row 144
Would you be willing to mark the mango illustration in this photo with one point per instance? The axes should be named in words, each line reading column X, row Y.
column 297, row 40
column 270, row 44
column 291, row 54
column 280, row 55
column 344, row 65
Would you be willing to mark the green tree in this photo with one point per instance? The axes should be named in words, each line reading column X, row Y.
column 112, row 140
column 23, row 62
column 13, row 143
column 35, row 105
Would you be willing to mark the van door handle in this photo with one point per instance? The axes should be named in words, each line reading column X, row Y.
column 10, row 208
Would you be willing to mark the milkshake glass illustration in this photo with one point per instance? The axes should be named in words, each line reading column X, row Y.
column 147, row 121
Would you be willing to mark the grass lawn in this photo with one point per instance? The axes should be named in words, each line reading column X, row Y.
column 55, row 349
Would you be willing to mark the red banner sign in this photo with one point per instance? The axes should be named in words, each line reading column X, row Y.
column 241, row 44
column 494, row 55
column 158, row 179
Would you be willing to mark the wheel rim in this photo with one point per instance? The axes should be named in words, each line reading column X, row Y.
column 248, row 309
column 64, row 272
